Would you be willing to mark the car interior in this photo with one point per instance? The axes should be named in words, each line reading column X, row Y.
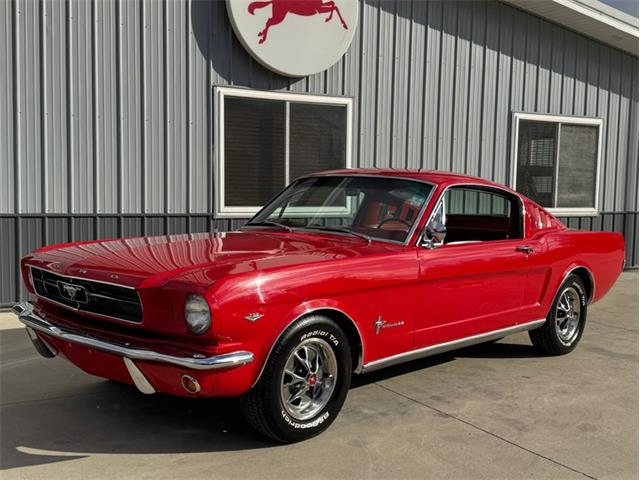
column 469, row 213
column 480, row 214
column 366, row 208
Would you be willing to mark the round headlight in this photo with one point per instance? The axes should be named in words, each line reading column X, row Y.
column 197, row 314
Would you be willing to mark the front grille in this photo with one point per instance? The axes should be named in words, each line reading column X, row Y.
column 90, row 296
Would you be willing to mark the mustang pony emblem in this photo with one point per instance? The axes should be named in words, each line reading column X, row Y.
column 306, row 8
column 70, row 292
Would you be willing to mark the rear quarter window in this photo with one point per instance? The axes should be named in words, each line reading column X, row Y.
column 538, row 219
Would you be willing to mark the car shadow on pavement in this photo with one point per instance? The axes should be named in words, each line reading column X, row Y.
column 483, row 350
column 104, row 417
column 119, row 419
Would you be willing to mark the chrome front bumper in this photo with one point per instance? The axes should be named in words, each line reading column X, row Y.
column 33, row 321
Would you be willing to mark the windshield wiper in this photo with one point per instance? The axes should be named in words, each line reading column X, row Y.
column 271, row 223
column 338, row 229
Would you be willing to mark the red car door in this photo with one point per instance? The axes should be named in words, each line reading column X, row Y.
column 468, row 289
column 475, row 281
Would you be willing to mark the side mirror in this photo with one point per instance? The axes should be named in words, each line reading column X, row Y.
column 434, row 234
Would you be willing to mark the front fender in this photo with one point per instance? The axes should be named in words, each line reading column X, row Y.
column 299, row 311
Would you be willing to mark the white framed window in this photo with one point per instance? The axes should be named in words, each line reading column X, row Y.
column 556, row 161
column 267, row 139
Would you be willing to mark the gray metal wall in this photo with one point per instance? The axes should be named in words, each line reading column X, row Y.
column 106, row 117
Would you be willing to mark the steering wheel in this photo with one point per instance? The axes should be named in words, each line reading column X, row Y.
column 394, row 219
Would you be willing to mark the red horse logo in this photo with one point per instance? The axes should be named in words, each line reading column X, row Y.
column 306, row 8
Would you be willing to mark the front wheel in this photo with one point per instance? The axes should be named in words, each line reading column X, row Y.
column 304, row 382
column 565, row 323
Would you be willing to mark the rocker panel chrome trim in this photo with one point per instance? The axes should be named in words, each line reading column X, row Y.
column 448, row 346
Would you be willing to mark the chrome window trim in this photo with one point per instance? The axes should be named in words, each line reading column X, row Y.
column 448, row 346
column 79, row 310
column 441, row 198
column 411, row 232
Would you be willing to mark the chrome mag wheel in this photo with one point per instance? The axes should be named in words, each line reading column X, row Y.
column 309, row 378
column 568, row 316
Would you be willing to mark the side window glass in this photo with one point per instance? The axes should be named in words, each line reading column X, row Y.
column 480, row 215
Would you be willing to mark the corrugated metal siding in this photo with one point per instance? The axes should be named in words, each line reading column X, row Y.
column 7, row 109
column 112, row 98
column 106, row 114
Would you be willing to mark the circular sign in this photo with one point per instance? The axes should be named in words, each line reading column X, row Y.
column 295, row 37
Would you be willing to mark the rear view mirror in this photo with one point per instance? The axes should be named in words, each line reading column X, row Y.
column 434, row 234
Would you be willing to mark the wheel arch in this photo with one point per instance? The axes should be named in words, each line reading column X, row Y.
column 350, row 329
column 586, row 276
column 343, row 320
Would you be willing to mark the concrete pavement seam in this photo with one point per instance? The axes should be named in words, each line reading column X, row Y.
column 485, row 431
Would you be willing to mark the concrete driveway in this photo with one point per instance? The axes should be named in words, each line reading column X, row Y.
column 491, row 411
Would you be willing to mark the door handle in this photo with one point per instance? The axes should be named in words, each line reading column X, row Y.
column 524, row 248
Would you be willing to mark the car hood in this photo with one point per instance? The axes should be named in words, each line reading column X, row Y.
column 148, row 262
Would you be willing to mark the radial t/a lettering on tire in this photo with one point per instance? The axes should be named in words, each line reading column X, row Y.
column 304, row 382
column 566, row 320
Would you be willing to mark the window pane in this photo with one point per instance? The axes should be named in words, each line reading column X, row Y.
column 536, row 155
column 253, row 151
column 318, row 138
column 385, row 208
column 473, row 214
column 461, row 201
column 577, row 166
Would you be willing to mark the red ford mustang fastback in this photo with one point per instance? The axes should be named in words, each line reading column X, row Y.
column 346, row 271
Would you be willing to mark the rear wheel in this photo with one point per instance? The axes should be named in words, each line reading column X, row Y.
column 566, row 320
column 304, row 382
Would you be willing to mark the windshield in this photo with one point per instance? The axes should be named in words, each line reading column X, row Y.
column 370, row 207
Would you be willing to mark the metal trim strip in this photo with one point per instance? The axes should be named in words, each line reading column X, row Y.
column 448, row 346
column 25, row 312
column 488, row 188
column 411, row 232
column 307, row 312
column 80, row 310
column 82, row 278
column 138, row 377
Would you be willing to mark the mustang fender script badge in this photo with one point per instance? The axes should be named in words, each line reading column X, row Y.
column 379, row 324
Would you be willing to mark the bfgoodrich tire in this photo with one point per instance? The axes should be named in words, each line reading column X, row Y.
column 304, row 382
column 566, row 320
